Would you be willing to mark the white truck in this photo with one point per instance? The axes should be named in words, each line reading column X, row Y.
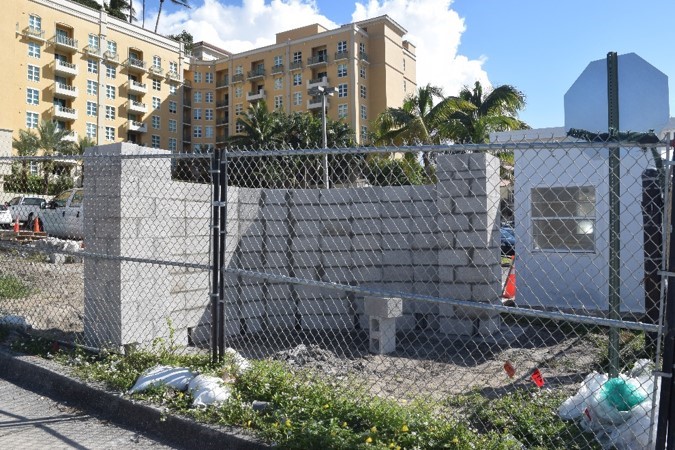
column 25, row 209
column 63, row 217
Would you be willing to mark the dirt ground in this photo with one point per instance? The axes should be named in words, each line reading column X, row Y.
column 423, row 365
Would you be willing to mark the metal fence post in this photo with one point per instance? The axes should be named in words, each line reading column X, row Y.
column 221, row 253
column 215, row 257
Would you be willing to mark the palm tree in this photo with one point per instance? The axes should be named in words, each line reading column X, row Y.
column 25, row 145
column 50, row 141
column 477, row 113
column 184, row 3
column 259, row 128
column 122, row 9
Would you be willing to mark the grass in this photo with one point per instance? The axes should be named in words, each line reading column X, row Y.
column 13, row 288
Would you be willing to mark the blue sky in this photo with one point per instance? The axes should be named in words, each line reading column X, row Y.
column 538, row 46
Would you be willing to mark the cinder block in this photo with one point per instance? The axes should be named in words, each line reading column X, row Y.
column 486, row 292
column 365, row 210
column 453, row 223
column 453, row 257
column 382, row 335
column 457, row 327
column 455, row 291
column 366, row 242
column 490, row 326
column 397, row 273
column 397, row 257
column 478, row 274
column 385, row 308
column 326, row 322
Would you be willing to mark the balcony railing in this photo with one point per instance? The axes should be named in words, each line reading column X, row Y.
column 33, row 33
column 172, row 75
column 93, row 50
column 65, row 42
column 221, row 139
column 135, row 64
column 237, row 77
column 65, row 68
column 318, row 59
column 279, row 68
column 323, row 81
column 363, row 56
column 221, row 104
column 342, row 55
column 63, row 112
column 70, row 137
column 315, row 102
column 221, row 122
column 223, row 82
column 256, row 95
column 137, row 87
column 66, row 90
column 111, row 56
column 157, row 70
column 137, row 106
column 258, row 73
column 135, row 125
column 295, row 65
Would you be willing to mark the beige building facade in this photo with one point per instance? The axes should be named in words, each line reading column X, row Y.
column 112, row 81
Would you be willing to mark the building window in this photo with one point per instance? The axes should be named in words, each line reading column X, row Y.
column 208, row 77
column 173, row 67
column 208, row 131
column 209, row 97
column 156, row 62
column 197, row 77
column 172, row 125
column 155, row 122
column 93, row 41
column 197, row 131
column 33, row 50
column 404, row 64
column 91, row 130
column 342, row 70
column 91, row 108
column 362, row 90
column 110, row 71
column 110, row 112
column 197, row 113
column 238, row 92
column 92, row 66
column 362, row 72
column 197, row 97
column 278, row 84
column 563, row 218
column 297, row 57
column 32, row 96
column 239, row 70
column 156, row 102
column 172, row 144
column 238, row 108
column 278, row 101
column 208, row 114
column 297, row 79
column 342, row 90
column 156, row 84
column 297, row 98
column 364, row 133
column 362, row 47
column 155, row 141
column 172, row 89
column 172, row 107
column 364, row 112
column 342, row 46
column 34, row 22
column 92, row 87
column 238, row 128
column 109, row 133
column 405, row 86
column 110, row 91
column 278, row 60
column 32, row 119
column 112, row 47
column 342, row 111
column 34, row 168
column 33, row 73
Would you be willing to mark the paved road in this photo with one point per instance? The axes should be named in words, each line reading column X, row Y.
column 31, row 421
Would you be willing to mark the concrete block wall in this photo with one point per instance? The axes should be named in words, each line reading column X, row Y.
column 439, row 240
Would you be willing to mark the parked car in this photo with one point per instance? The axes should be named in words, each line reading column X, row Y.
column 62, row 216
column 25, row 208
column 5, row 217
column 508, row 240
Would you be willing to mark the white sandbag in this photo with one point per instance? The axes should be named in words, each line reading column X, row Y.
column 574, row 406
column 240, row 364
column 208, row 390
column 176, row 377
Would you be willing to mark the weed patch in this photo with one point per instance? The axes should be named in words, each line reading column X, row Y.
column 12, row 288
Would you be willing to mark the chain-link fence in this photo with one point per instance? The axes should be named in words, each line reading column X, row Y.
column 491, row 281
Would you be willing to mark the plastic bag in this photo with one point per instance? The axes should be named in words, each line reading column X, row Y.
column 240, row 364
column 208, row 390
column 176, row 377
column 574, row 406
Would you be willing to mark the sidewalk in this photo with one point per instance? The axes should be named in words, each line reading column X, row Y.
column 42, row 406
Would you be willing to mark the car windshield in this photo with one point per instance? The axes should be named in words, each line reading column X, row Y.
column 33, row 201
column 62, row 198
column 15, row 201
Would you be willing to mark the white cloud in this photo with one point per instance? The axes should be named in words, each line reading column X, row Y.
column 238, row 28
column 435, row 30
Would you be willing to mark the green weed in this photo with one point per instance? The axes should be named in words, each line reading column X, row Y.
column 13, row 288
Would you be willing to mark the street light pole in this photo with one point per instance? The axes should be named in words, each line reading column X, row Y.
column 324, row 91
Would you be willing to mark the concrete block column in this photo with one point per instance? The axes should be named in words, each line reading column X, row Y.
column 382, row 314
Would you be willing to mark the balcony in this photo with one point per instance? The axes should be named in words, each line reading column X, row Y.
column 135, row 65
column 70, row 137
column 221, row 104
column 65, row 43
column 258, row 73
column 342, row 55
column 65, row 90
column 112, row 56
column 156, row 70
column 315, row 103
column 93, row 51
column 317, row 60
column 323, row 81
column 136, row 127
column 223, row 82
column 279, row 68
column 221, row 139
column 187, row 139
column 238, row 78
column 137, row 106
column 222, row 122
column 172, row 75
column 65, row 68
column 37, row 34
column 257, row 95
column 64, row 113
column 363, row 56
column 135, row 87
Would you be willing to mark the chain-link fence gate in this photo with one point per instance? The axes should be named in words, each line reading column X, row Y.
column 474, row 278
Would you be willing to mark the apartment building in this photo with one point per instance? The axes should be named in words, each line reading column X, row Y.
column 112, row 81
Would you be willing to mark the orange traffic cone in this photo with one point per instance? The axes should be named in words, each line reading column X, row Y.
column 510, row 287
column 36, row 225
column 16, row 225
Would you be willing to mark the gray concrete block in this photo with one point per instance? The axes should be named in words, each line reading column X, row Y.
column 326, row 322
column 397, row 258
column 457, row 327
column 305, row 243
column 368, row 274
column 382, row 335
column 335, row 243
column 335, row 212
column 453, row 257
column 281, row 322
column 486, row 256
column 324, row 306
column 453, row 223
column 487, row 292
column 337, row 259
column 427, row 274
column 367, row 227
column 385, row 308
column 366, row 242
column 307, row 259
column 473, row 239
column 455, row 291
column 397, row 273
column 365, row 210
column 478, row 274
column 424, row 258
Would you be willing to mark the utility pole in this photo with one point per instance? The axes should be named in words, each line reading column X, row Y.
column 324, row 91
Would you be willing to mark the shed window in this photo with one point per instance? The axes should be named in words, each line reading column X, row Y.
column 563, row 218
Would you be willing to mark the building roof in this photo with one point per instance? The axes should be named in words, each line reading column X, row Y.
column 395, row 25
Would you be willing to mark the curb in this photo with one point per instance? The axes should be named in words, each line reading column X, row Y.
column 39, row 375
